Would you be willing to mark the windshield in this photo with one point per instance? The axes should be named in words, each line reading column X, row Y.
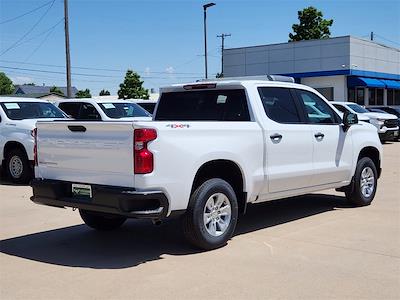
column 123, row 110
column 357, row 108
column 31, row 110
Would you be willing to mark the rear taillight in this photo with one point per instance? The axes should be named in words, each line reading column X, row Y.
column 35, row 157
column 143, row 158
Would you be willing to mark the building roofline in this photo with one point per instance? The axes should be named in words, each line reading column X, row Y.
column 305, row 41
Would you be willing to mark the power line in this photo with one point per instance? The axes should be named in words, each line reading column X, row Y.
column 89, row 75
column 30, row 30
column 42, row 33
column 383, row 38
column 97, row 69
column 24, row 14
column 43, row 41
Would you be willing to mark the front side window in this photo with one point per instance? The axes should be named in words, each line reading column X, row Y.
column 31, row 110
column 207, row 105
column 279, row 105
column 340, row 108
column 71, row 108
column 123, row 110
column 357, row 108
column 317, row 110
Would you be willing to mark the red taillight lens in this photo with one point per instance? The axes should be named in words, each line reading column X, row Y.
column 34, row 134
column 143, row 158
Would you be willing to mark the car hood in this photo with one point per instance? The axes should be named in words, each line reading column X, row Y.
column 376, row 115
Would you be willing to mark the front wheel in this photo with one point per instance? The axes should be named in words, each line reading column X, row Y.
column 100, row 221
column 364, row 184
column 211, row 216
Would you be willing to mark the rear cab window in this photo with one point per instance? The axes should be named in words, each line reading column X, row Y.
column 205, row 105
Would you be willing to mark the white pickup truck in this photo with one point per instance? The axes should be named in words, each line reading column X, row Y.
column 212, row 148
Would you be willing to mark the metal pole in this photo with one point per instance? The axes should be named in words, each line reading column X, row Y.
column 223, row 36
column 205, row 43
column 67, row 51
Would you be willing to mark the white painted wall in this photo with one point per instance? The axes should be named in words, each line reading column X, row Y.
column 338, row 82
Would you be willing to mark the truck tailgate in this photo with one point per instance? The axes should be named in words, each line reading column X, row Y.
column 86, row 152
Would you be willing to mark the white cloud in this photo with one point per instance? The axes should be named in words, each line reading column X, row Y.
column 21, row 79
column 170, row 70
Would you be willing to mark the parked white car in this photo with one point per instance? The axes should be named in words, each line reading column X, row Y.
column 386, row 124
column 212, row 148
column 18, row 117
column 97, row 109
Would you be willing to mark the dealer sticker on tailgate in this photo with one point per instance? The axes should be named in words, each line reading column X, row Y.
column 81, row 190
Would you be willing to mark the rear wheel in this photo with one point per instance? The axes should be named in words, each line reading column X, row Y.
column 101, row 221
column 17, row 166
column 211, row 217
column 364, row 184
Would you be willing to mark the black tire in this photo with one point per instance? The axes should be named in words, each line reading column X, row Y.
column 101, row 221
column 194, row 228
column 354, row 193
column 17, row 158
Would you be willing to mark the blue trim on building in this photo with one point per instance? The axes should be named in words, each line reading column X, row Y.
column 392, row 84
column 345, row 72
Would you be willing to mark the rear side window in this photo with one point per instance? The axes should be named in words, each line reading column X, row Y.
column 209, row 105
column 279, row 105
column 148, row 106
column 89, row 113
column 71, row 109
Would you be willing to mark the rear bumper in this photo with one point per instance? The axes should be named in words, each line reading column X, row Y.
column 108, row 199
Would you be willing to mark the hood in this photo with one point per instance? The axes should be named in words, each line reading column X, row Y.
column 376, row 115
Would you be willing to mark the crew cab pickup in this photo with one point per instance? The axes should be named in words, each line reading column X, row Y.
column 212, row 148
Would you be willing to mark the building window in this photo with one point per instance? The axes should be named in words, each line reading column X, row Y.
column 396, row 97
column 390, row 97
column 371, row 96
column 351, row 95
column 327, row 92
column 360, row 96
column 379, row 96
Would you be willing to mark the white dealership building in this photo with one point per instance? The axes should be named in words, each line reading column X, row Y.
column 341, row 68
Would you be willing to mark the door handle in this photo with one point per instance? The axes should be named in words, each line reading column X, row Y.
column 319, row 135
column 276, row 137
column 77, row 128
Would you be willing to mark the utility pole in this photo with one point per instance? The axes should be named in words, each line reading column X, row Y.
column 223, row 36
column 67, row 53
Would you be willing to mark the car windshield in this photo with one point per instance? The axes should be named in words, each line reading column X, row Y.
column 118, row 110
column 31, row 110
column 357, row 108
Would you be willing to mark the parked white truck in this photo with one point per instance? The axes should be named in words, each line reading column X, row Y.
column 212, row 148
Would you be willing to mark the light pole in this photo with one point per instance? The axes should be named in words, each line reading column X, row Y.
column 205, row 6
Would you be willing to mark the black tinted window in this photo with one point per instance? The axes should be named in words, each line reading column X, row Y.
column 221, row 105
column 148, row 106
column 317, row 110
column 340, row 108
column 71, row 109
column 89, row 112
column 123, row 110
column 279, row 105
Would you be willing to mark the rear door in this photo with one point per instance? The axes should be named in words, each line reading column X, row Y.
column 86, row 152
column 332, row 147
column 288, row 140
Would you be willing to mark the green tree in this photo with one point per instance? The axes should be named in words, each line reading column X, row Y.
column 6, row 85
column 312, row 26
column 132, row 87
column 83, row 94
column 56, row 90
column 104, row 93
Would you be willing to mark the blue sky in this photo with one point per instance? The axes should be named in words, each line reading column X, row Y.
column 162, row 40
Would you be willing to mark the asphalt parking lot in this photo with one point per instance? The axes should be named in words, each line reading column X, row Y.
column 313, row 247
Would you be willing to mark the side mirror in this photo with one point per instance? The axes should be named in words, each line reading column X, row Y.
column 349, row 119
